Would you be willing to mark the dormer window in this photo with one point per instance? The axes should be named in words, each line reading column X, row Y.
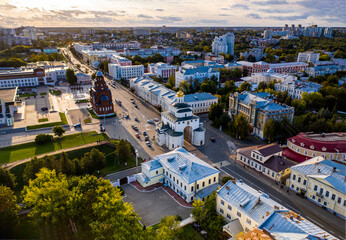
column 302, row 144
column 312, row 147
column 324, row 149
column 293, row 140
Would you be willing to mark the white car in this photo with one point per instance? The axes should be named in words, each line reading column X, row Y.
column 156, row 119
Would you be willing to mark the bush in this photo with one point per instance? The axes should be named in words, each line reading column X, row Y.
column 226, row 179
column 43, row 138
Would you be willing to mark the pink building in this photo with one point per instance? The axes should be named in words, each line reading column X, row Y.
column 83, row 78
column 258, row 67
column 122, row 61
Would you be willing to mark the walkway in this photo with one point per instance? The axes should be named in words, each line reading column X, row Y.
column 168, row 190
column 13, row 164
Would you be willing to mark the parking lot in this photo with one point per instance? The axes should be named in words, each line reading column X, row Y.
column 153, row 206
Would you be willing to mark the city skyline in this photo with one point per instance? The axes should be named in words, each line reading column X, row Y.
column 152, row 13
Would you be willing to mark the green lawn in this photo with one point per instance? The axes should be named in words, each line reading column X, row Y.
column 27, row 95
column 43, row 120
column 87, row 120
column 52, row 124
column 55, row 92
column 190, row 233
column 43, row 93
column 28, row 150
column 93, row 115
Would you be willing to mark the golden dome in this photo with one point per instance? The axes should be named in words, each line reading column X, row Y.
column 180, row 94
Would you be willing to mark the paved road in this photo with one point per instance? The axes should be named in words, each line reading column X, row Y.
column 123, row 174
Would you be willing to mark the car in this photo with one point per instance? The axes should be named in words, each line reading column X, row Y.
column 156, row 119
column 136, row 119
column 44, row 109
column 127, row 116
column 131, row 99
column 135, row 106
column 146, row 138
column 77, row 125
column 148, row 143
column 135, row 128
column 137, row 135
column 212, row 139
column 150, row 121
column 145, row 133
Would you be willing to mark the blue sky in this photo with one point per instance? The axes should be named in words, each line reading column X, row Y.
column 136, row 13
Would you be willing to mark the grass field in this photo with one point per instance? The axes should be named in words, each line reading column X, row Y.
column 46, row 125
column 43, row 93
column 27, row 95
column 43, row 120
column 87, row 120
column 55, row 92
column 93, row 115
column 28, row 150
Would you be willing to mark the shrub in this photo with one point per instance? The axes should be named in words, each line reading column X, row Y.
column 226, row 179
column 43, row 138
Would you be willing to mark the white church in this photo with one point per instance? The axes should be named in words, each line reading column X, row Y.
column 177, row 124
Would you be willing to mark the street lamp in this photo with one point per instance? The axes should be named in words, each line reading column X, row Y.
column 136, row 151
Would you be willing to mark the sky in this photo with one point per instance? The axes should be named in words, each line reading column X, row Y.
column 172, row 13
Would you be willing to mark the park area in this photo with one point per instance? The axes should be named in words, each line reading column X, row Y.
column 28, row 150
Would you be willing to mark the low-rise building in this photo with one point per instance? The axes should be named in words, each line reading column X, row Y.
column 125, row 72
column 7, row 106
column 289, row 67
column 255, row 52
column 258, row 108
column 285, row 224
column 270, row 76
column 304, row 146
column 187, row 175
column 295, row 88
column 161, row 69
column 55, row 74
column 324, row 69
column 145, row 52
column 90, row 56
column 80, row 47
column 243, row 206
column 308, row 57
column 267, row 160
column 160, row 96
column 25, row 78
column 322, row 182
column 196, row 73
column 83, row 78
column 117, row 59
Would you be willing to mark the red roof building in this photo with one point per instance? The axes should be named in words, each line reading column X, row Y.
column 101, row 97
column 305, row 146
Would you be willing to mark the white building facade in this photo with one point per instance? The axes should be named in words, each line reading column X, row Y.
column 295, row 88
column 308, row 57
column 190, row 177
column 125, row 72
column 195, row 73
column 224, row 44
column 179, row 124
column 163, row 70
column 270, row 76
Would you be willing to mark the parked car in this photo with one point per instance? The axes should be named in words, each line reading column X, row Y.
column 127, row 116
column 44, row 109
column 148, row 143
column 78, row 125
column 135, row 128
column 135, row 106
column 145, row 133
column 146, row 138
column 137, row 135
column 150, row 121
column 136, row 119
column 212, row 139
column 156, row 119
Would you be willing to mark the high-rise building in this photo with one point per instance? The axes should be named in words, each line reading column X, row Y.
column 224, row 44
column 308, row 57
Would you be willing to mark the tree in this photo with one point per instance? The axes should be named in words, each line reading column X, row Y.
column 171, row 82
column 43, row 138
column 58, row 131
column 251, row 58
column 98, row 159
column 71, row 76
column 215, row 111
column 168, row 228
column 324, row 58
column 65, row 165
column 245, row 86
column 242, row 127
column 93, row 76
column 8, row 213
column 198, row 211
column 7, row 178
column 339, row 54
column 270, row 130
column 123, row 151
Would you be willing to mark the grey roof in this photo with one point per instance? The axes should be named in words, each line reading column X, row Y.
column 323, row 170
column 186, row 165
column 278, row 163
column 8, row 94
column 270, row 149
column 208, row 190
column 233, row 227
column 181, row 105
column 198, row 97
column 176, row 119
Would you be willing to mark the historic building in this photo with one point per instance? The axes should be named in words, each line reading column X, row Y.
column 258, row 108
column 304, row 146
column 179, row 123
column 187, row 175
column 101, row 97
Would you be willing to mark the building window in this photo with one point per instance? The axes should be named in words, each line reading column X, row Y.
column 325, row 203
column 157, row 172
column 321, row 190
column 214, row 179
column 297, row 189
column 333, row 196
column 185, row 188
column 315, row 188
column 313, row 197
column 248, row 221
column 191, row 189
column 294, row 177
column 292, row 186
column 327, row 193
column 319, row 200
column 203, row 184
column 197, row 186
column 209, row 181
column 238, row 214
column 222, row 202
column 191, row 198
column 229, row 208
column 304, row 182
column 299, row 179
column 173, row 179
column 339, row 200
column 221, row 210
column 228, row 216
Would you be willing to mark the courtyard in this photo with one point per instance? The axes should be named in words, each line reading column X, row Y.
column 154, row 205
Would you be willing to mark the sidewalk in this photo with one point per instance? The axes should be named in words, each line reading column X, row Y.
column 13, row 164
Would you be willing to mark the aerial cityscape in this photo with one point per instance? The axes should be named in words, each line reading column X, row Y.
column 178, row 120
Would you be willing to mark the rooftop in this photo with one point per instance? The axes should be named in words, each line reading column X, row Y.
column 186, row 165
column 254, row 203
column 198, row 97
column 269, row 149
column 8, row 94
column 286, row 224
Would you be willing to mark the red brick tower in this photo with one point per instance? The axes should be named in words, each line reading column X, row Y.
column 101, row 97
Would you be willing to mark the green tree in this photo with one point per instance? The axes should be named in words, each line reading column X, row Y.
column 251, row 58
column 58, row 131
column 215, row 111
column 98, row 158
column 198, row 211
column 123, row 151
column 7, row 178
column 245, row 86
column 242, row 127
column 8, row 213
column 171, row 82
column 168, row 228
column 324, row 58
column 271, row 129
column 93, row 76
column 339, row 54
column 43, row 138
column 71, row 76
column 65, row 165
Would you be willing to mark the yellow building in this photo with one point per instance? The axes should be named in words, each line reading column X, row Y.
column 322, row 182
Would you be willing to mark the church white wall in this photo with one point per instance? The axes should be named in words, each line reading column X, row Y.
column 198, row 138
